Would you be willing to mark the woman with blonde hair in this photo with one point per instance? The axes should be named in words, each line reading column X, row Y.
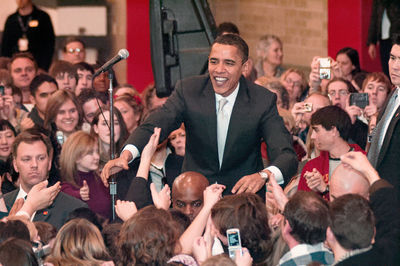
column 269, row 56
column 79, row 242
column 79, row 163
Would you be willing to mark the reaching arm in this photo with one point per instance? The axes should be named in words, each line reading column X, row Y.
column 211, row 196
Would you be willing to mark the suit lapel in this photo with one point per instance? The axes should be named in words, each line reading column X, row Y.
column 388, row 135
column 385, row 105
column 241, row 108
column 10, row 200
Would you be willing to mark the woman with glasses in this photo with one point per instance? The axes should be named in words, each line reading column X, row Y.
column 295, row 83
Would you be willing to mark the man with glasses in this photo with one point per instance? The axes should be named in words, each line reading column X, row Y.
column 339, row 91
column 74, row 50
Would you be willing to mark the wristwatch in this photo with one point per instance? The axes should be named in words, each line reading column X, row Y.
column 326, row 190
column 264, row 175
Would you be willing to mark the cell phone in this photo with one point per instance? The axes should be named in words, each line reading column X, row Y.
column 1, row 90
column 234, row 242
column 325, row 68
column 307, row 107
column 359, row 99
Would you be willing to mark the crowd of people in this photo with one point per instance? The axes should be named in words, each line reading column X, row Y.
column 306, row 175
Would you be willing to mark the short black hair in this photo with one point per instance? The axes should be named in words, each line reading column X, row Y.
column 234, row 40
column 84, row 66
column 352, row 221
column 39, row 80
column 5, row 124
column 396, row 39
column 307, row 215
column 227, row 27
column 352, row 54
column 88, row 94
column 333, row 116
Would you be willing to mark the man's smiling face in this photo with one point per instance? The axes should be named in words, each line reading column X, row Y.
column 225, row 67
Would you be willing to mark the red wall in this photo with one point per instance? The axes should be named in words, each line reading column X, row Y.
column 348, row 23
column 139, row 70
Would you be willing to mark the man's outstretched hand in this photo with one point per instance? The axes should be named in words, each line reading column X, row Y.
column 115, row 166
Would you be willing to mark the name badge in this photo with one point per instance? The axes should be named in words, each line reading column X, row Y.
column 33, row 23
column 23, row 44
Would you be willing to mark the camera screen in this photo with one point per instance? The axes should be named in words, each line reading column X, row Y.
column 233, row 239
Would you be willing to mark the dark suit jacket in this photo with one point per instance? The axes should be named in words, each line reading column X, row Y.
column 388, row 165
column 393, row 10
column 56, row 213
column 254, row 117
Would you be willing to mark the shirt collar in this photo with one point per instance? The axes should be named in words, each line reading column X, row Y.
column 231, row 97
column 21, row 193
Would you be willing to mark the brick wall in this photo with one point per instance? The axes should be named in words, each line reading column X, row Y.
column 301, row 24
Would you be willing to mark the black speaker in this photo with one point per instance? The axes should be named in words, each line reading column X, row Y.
column 181, row 32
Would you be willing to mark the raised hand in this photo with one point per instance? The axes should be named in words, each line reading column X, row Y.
column 162, row 199
column 147, row 154
column 212, row 195
column 125, row 209
column 277, row 191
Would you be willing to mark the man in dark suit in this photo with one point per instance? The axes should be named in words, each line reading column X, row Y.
column 225, row 117
column 32, row 152
column 384, row 24
column 384, row 152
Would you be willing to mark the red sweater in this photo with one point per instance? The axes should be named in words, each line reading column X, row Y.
column 321, row 163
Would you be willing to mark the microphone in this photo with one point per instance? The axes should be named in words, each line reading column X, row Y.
column 122, row 54
column 60, row 137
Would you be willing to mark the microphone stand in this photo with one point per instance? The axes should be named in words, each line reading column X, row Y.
column 113, row 181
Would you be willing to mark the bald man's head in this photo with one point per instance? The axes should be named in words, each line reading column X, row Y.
column 346, row 180
column 187, row 193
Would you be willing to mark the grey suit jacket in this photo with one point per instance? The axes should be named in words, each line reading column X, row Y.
column 388, row 165
column 56, row 213
column 254, row 118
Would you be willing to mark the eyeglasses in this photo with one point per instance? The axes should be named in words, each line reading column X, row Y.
column 76, row 50
column 341, row 93
column 294, row 83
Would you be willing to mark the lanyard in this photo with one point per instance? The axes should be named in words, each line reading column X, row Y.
column 24, row 27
